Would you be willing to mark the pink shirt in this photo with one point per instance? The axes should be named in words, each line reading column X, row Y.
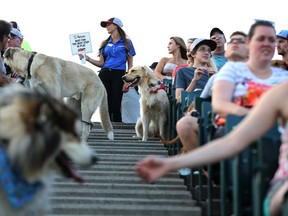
column 176, row 69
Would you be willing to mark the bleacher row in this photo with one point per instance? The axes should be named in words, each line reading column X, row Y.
column 236, row 186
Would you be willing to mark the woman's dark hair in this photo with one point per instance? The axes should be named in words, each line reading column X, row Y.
column 259, row 23
column 123, row 36
column 5, row 28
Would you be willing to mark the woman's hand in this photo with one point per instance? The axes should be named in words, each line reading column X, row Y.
column 80, row 56
column 152, row 168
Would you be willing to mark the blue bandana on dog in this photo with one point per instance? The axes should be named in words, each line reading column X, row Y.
column 18, row 191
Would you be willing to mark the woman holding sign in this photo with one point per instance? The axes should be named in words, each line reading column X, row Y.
column 114, row 53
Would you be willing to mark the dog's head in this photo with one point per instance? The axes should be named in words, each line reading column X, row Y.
column 17, row 59
column 139, row 75
column 40, row 134
column 279, row 64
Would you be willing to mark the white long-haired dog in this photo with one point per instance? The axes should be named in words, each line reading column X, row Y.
column 39, row 136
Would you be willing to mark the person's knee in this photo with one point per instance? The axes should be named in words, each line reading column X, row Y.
column 185, row 125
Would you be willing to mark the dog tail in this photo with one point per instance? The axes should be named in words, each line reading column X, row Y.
column 105, row 118
column 170, row 142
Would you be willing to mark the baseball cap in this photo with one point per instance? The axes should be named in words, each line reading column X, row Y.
column 215, row 30
column 16, row 33
column 283, row 34
column 114, row 20
column 199, row 41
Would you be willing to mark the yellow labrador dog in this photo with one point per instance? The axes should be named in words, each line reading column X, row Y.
column 64, row 79
column 153, row 102
column 39, row 139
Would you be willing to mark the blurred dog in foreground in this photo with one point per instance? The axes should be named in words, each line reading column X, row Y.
column 39, row 137
column 154, row 102
column 64, row 79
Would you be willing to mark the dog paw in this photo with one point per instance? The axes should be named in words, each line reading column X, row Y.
column 111, row 135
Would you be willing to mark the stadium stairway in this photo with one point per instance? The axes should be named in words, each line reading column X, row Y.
column 113, row 188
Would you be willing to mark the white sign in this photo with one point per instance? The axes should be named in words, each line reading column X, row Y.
column 80, row 43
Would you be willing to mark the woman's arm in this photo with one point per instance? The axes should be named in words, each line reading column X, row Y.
column 260, row 118
column 97, row 63
column 129, row 62
column 222, row 94
column 159, row 68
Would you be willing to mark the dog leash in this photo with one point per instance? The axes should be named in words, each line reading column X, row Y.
column 89, row 123
column 19, row 192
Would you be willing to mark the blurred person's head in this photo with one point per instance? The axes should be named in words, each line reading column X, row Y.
column 16, row 38
column 236, row 47
column 188, row 45
column 5, row 28
column 282, row 42
column 218, row 36
column 261, row 41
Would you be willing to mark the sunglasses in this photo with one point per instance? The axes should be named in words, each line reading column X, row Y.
column 217, row 37
column 236, row 40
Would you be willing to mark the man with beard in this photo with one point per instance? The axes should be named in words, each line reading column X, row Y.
column 282, row 45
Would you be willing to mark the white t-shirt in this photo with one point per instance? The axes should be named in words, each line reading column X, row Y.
column 246, row 83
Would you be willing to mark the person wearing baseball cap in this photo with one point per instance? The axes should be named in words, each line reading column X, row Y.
column 282, row 45
column 25, row 44
column 115, row 58
column 218, row 55
column 16, row 38
column 201, row 67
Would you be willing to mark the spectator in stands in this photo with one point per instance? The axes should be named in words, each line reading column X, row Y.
column 25, row 44
column 282, row 45
column 188, row 45
column 152, row 168
column 187, row 127
column 238, row 85
column 5, row 29
column 16, row 41
column 166, row 65
column 218, row 55
column 197, row 74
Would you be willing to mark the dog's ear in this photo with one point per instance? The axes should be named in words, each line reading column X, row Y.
column 8, row 54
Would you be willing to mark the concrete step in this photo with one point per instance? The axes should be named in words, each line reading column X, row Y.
column 112, row 187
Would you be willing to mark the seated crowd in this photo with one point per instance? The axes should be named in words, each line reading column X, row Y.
column 235, row 88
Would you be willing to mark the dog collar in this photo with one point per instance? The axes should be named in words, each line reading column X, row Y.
column 155, row 90
column 18, row 191
column 29, row 64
